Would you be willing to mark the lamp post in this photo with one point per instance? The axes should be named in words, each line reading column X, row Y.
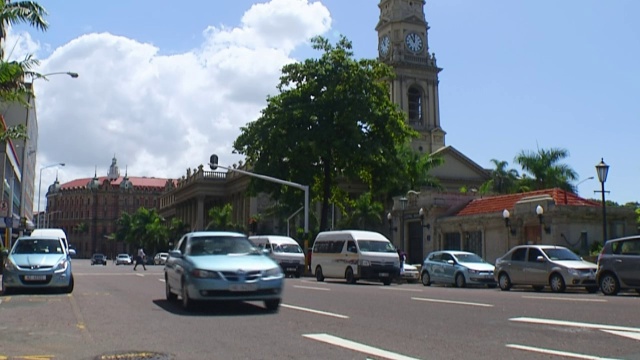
column 40, row 187
column 403, row 206
column 540, row 212
column 603, row 171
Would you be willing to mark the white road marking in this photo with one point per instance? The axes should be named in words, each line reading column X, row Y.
column 399, row 289
column 141, row 275
column 315, row 311
column 555, row 352
column 352, row 345
column 574, row 324
column 161, row 279
column 452, row 302
column 310, row 288
column 563, row 298
column 630, row 335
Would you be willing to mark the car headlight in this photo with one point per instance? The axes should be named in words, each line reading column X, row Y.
column 61, row 266
column 275, row 272
column 573, row 272
column 9, row 265
column 205, row 274
column 364, row 263
column 471, row 271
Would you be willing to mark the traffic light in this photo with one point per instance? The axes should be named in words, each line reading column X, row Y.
column 213, row 162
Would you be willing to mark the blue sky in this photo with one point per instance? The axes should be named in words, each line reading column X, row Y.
column 517, row 75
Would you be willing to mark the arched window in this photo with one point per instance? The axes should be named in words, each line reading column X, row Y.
column 415, row 106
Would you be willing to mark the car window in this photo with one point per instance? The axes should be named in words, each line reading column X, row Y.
column 446, row 257
column 560, row 254
column 219, row 245
column 630, row 247
column 435, row 257
column 290, row 248
column 376, row 246
column 182, row 245
column 533, row 254
column 351, row 247
column 469, row 258
column 38, row 246
column 519, row 254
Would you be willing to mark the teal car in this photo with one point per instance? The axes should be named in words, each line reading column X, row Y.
column 37, row 262
column 221, row 266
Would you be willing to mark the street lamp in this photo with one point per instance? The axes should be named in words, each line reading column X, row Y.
column 40, row 187
column 603, row 171
column 507, row 221
column 403, row 206
column 540, row 213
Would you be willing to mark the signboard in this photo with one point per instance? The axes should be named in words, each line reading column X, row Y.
column 4, row 208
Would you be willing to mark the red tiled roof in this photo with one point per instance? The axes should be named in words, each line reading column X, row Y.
column 136, row 181
column 499, row 203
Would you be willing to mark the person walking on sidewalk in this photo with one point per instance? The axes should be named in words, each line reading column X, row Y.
column 140, row 259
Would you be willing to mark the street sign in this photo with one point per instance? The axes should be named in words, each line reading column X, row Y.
column 4, row 208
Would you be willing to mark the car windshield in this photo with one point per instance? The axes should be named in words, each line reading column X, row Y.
column 288, row 248
column 376, row 246
column 561, row 254
column 123, row 256
column 469, row 258
column 220, row 245
column 38, row 246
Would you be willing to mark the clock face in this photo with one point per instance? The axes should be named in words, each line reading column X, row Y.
column 385, row 43
column 414, row 42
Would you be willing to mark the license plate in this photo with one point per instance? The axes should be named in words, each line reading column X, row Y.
column 383, row 274
column 291, row 269
column 35, row 277
column 243, row 287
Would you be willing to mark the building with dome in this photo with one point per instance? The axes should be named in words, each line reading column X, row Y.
column 88, row 208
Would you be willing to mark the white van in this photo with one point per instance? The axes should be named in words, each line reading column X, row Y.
column 354, row 255
column 284, row 250
column 59, row 233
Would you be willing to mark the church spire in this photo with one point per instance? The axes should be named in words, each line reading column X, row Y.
column 114, row 172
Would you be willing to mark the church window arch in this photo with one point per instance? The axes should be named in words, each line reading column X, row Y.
column 416, row 106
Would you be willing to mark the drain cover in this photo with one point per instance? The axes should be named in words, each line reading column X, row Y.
column 136, row 355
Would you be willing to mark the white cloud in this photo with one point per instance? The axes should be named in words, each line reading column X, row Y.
column 161, row 114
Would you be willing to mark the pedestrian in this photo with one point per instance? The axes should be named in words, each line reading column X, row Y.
column 140, row 259
column 402, row 256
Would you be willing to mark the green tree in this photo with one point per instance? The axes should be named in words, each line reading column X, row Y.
column 20, row 12
column 333, row 119
column 221, row 219
column 365, row 214
column 545, row 170
column 144, row 228
column 503, row 180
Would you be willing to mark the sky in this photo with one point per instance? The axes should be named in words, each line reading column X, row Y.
column 162, row 85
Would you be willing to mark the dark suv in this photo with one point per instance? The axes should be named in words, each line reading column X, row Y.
column 618, row 265
column 99, row 259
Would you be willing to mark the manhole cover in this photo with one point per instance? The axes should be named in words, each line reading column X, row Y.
column 136, row 355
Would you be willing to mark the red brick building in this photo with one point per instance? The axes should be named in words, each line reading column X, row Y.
column 87, row 209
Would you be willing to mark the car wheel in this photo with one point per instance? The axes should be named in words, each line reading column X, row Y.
column 167, row 289
column 6, row 290
column 187, row 303
column 556, row 282
column 298, row 274
column 272, row 305
column 504, row 282
column 349, row 276
column 537, row 288
column 609, row 284
column 460, row 281
column 319, row 276
column 69, row 288
column 386, row 282
column 426, row 279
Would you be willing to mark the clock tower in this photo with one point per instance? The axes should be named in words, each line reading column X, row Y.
column 404, row 45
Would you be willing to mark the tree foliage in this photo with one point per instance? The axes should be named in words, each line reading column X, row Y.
column 146, row 228
column 365, row 213
column 20, row 12
column 333, row 119
column 221, row 219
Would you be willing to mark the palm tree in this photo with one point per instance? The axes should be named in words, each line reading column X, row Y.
column 366, row 213
column 503, row 180
column 417, row 167
column 221, row 218
column 545, row 170
column 17, row 12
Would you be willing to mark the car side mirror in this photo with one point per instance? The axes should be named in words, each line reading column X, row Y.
column 266, row 251
column 72, row 252
column 175, row 253
column 540, row 258
column 450, row 262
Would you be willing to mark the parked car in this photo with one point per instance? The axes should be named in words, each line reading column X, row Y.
column 37, row 262
column 160, row 258
column 619, row 265
column 542, row 265
column 124, row 259
column 217, row 265
column 99, row 259
column 410, row 273
column 459, row 268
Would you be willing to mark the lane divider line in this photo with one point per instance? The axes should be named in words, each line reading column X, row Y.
column 319, row 312
column 352, row 345
column 556, row 352
column 452, row 302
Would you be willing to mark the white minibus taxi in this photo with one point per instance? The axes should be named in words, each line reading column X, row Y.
column 283, row 250
column 354, row 255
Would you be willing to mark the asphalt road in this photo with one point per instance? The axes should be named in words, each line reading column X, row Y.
column 115, row 310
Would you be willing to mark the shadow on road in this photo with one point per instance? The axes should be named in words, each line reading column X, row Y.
column 215, row 308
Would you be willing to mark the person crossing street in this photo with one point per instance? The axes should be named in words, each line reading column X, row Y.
column 140, row 259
